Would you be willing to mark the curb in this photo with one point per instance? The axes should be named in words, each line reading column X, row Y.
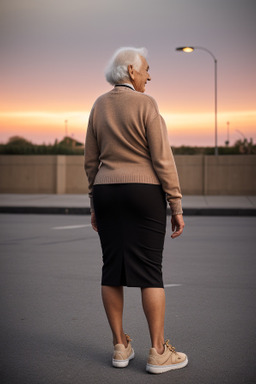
column 219, row 211
column 46, row 210
column 86, row 211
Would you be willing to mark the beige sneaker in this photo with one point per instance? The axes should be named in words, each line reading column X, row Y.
column 122, row 355
column 169, row 360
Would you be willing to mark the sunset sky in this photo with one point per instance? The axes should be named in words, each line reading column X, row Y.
column 53, row 55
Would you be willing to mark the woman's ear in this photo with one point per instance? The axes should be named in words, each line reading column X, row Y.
column 131, row 71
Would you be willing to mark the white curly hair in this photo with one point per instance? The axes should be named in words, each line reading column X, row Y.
column 116, row 71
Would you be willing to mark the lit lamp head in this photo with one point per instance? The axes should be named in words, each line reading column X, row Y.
column 185, row 49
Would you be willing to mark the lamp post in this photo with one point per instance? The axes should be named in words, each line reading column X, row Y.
column 191, row 49
column 227, row 141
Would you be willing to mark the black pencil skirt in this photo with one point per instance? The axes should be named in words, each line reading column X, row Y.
column 131, row 220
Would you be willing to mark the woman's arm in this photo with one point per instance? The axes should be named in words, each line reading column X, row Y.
column 163, row 162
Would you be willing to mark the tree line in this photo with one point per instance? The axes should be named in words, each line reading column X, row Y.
column 17, row 145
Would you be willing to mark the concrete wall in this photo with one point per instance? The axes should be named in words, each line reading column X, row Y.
column 199, row 175
column 191, row 174
column 76, row 181
column 28, row 174
column 232, row 175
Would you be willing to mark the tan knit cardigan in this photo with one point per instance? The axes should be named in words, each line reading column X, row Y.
column 127, row 142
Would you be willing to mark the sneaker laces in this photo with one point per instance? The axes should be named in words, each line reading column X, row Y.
column 170, row 347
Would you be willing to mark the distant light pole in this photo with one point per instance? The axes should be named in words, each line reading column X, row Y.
column 66, row 128
column 227, row 141
column 191, row 49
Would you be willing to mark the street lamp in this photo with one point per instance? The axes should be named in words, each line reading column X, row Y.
column 189, row 50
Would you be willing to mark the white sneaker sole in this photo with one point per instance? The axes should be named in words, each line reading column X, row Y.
column 123, row 363
column 165, row 368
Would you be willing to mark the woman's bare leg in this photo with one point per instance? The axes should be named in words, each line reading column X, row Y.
column 153, row 300
column 113, row 302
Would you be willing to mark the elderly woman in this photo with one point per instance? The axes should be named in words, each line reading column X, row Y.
column 131, row 174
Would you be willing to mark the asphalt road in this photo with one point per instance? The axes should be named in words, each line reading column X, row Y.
column 53, row 327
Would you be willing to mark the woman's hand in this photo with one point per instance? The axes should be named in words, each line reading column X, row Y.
column 177, row 225
column 93, row 222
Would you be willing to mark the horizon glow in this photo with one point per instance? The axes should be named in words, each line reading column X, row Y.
column 44, row 126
